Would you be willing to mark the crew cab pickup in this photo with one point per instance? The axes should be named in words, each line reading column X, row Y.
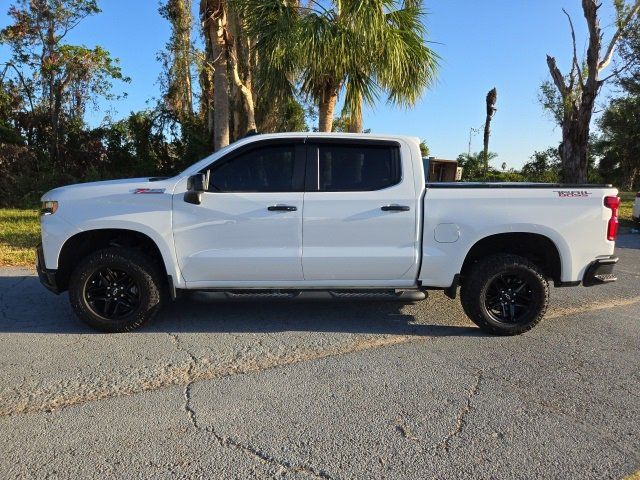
column 344, row 213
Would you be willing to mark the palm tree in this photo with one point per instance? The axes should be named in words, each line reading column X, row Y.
column 473, row 165
column 365, row 47
column 213, row 15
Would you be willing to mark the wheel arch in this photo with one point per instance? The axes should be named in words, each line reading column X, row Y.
column 78, row 246
column 537, row 248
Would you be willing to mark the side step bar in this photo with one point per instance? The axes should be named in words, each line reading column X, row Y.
column 401, row 295
column 389, row 295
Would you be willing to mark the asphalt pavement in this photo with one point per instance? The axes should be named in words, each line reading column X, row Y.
column 219, row 388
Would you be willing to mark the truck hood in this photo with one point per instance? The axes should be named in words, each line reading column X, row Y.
column 144, row 185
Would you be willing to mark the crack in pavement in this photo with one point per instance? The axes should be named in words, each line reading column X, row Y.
column 526, row 396
column 193, row 361
column 406, row 432
column 403, row 428
column 16, row 400
column 283, row 466
column 461, row 418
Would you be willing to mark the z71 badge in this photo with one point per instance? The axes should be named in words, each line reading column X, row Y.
column 572, row 193
column 138, row 191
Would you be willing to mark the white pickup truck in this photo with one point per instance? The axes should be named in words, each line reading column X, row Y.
column 348, row 214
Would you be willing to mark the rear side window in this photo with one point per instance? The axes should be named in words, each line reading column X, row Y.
column 357, row 168
column 265, row 169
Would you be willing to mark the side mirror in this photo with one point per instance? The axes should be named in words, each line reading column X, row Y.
column 196, row 185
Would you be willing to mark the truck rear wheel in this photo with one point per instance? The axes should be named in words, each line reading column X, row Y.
column 505, row 294
column 116, row 289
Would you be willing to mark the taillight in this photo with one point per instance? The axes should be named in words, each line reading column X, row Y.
column 612, row 228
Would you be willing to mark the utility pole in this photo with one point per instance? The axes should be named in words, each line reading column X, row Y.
column 472, row 131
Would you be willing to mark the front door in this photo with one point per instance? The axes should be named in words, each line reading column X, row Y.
column 360, row 213
column 248, row 227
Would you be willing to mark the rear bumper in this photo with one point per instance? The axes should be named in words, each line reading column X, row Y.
column 47, row 277
column 600, row 271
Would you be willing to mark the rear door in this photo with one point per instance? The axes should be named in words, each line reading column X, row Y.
column 248, row 228
column 360, row 212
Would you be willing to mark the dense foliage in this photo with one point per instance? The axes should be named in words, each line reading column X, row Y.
column 265, row 80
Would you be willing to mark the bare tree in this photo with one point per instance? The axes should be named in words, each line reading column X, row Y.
column 578, row 90
column 491, row 99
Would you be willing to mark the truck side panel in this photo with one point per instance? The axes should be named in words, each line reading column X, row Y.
column 114, row 205
column 455, row 218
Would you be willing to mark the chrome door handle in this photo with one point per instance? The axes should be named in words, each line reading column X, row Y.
column 282, row 208
column 395, row 208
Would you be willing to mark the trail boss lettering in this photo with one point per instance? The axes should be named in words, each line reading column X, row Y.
column 572, row 193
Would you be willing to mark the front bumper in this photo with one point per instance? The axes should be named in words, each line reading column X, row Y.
column 47, row 277
column 600, row 271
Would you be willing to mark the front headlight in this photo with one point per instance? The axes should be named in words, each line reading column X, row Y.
column 49, row 207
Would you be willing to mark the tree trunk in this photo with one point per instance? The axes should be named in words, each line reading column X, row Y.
column 240, row 68
column 355, row 117
column 206, row 88
column 326, row 107
column 247, row 97
column 214, row 21
column 52, row 93
column 573, row 150
column 631, row 179
column 185, row 56
column 55, row 126
column 628, row 166
column 220, row 96
column 492, row 96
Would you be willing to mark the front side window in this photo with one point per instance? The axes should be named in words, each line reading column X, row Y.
column 264, row 169
column 353, row 168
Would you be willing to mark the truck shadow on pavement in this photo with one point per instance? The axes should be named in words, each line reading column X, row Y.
column 628, row 240
column 26, row 307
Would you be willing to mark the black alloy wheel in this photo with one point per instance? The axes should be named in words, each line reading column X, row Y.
column 117, row 289
column 504, row 294
column 112, row 293
column 509, row 298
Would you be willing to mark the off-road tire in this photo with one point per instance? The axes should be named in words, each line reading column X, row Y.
column 475, row 285
column 148, row 285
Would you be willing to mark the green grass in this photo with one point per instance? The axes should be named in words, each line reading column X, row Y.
column 19, row 236
column 626, row 208
column 20, row 232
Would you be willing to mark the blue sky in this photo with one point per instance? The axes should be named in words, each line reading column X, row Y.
column 495, row 43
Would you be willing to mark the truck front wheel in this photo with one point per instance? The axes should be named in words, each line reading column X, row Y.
column 505, row 294
column 116, row 289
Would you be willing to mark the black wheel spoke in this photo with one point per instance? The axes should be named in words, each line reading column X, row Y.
column 112, row 293
column 508, row 298
column 107, row 307
column 103, row 279
column 96, row 298
column 129, row 298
